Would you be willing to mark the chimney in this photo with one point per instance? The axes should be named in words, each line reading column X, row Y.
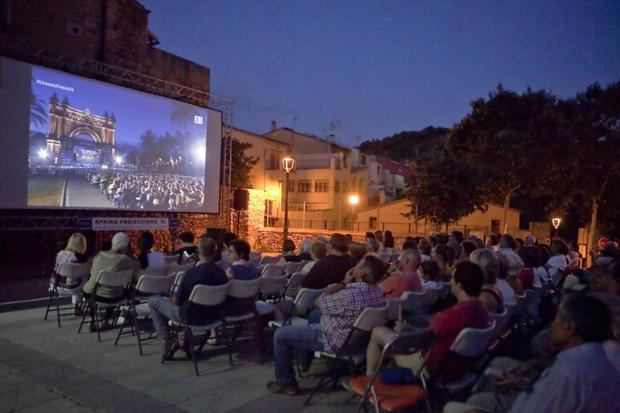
column 274, row 125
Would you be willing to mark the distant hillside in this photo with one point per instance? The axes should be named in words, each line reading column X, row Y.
column 408, row 145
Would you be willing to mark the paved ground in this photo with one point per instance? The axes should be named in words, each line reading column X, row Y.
column 47, row 369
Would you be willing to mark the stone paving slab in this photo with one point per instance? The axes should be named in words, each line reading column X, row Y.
column 44, row 368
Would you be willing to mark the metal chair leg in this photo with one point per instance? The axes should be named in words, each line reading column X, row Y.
column 49, row 304
column 189, row 338
column 58, row 311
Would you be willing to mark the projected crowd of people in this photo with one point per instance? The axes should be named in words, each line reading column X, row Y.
column 150, row 191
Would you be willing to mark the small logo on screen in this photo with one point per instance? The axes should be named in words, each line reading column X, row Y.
column 198, row 120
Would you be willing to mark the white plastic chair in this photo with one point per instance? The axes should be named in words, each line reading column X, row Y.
column 205, row 295
column 304, row 302
column 171, row 259
column 354, row 348
column 73, row 271
column 471, row 343
column 120, row 280
column 272, row 270
column 138, row 307
column 269, row 259
column 174, row 267
column 292, row 267
column 241, row 289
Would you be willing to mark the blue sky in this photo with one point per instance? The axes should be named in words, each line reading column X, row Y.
column 135, row 112
column 379, row 67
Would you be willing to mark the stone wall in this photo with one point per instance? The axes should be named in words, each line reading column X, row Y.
column 111, row 31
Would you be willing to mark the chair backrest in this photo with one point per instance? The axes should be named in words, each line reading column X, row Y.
column 473, row 342
column 445, row 290
column 209, row 294
column 407, row 342
column 115, row 278
column 155, row 284
column 178, row 277
column 272, row 270
column 417, row 303
column 394, row 306
column 244, row 288
column 370, row 318
column 174, row 267
column 292, row 267
column 272, row 285
column 74, row 270
column 306, row 297
column 269, row 259
column 255, row 256
column 156, row 271
column 294, row 284
column 501, row 319
column 171, row 259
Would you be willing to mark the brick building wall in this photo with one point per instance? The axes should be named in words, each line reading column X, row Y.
column 110, row 31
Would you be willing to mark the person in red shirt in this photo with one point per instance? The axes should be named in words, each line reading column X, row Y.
column 466, row 284
column 407, row 279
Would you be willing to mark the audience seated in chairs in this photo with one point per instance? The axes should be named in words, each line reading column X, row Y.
column 340, row 306
column 306, row 250
column 357, row 252
column 148, row 258
column 581, row 379
column 288, row 253
column 241, row 267
column 407, row 279
column 75, row 251
column 177, row 308
column 317, row 252
column 116, row 259
column 227, row 239
column 332, row 268
column 186, row 250
column 490, row 295
column 430, row 275
column 468, row 312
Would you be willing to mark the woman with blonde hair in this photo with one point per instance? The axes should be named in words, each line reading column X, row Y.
column 75, row 251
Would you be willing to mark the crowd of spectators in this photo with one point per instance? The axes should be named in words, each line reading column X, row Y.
column 150, row 191
column 565, row 356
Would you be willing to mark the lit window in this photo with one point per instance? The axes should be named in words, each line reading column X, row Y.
column 303, row 186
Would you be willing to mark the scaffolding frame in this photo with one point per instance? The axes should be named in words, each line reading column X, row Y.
column 134, row 80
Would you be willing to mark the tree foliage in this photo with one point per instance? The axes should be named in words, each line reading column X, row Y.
column 444, row 190
column 242, row 164
column 510, row 140
column 408, row 145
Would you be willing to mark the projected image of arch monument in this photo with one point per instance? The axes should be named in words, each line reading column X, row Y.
column 96, row 145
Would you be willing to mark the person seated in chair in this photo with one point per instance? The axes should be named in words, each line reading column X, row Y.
column 407, row 279
column 149, row 258
column 241, row 267
column 116, row 259
column 75, row 252
column 332, row 268
column 186, row 246
column 340, row 306
column 581, row 379
column 466, row 285
column 178, row 307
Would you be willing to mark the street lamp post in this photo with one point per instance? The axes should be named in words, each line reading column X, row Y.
column 353, row 201
column 556, row 224
column 288, row 164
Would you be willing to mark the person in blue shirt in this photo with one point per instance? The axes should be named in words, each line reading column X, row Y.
column 580, row 380
column 239, row 257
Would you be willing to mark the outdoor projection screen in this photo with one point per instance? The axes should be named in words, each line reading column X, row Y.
column 72, row 142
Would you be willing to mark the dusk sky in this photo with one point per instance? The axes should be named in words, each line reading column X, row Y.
column 380, row 67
